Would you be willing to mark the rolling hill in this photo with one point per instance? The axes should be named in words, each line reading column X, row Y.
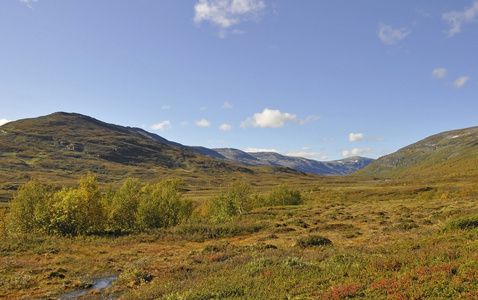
column 448, row 153
column 62, row 146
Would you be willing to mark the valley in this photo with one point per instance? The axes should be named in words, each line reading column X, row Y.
column 402, row 231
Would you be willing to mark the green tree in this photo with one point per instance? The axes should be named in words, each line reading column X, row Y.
column 29, row 209
column 162, row 205
column 91, row 204
column 240, row 193
column 283, row 195
column 124, row 206
column 78, row 211
column 67, row 216
column 231, row 203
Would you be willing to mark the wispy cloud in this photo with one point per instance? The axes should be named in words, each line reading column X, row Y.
column 460, row 82
column 354, row 137
column 270, row 118
column 305, row 152
column 4, row 121
column 225, row 127
column 439, row 73
column 356, row 152
column 162, row 126
column 227, row 13
column 165, row 107
column 29, row 3
column 255, row 150
column 388, row 35
column 227, row 105
column 372, row 139
column 456, row 19
column 203, row 123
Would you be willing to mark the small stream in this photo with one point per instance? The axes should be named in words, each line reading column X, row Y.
column 98, row 284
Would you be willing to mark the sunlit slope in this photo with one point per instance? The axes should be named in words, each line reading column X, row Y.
column 450, row 153
column 63, row 146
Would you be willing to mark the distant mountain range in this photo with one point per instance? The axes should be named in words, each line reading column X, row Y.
column 445, row 154
column 337, row 167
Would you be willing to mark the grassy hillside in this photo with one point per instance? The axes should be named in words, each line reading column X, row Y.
column 61, row 147
column 451, row 153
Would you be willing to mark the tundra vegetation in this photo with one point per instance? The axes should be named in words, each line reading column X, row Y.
column 320, row 238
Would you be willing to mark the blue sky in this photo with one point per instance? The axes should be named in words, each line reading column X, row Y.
column 318, row 79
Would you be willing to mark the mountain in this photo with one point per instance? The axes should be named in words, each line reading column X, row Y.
column 445, row 154
column 62, row 146
column 337, row 167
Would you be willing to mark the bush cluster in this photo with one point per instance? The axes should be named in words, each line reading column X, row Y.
column 86, row 209
column 239, row 199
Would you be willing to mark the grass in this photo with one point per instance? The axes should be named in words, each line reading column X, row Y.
column 388, row 240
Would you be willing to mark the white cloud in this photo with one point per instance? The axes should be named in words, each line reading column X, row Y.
column 226, row 105
column 460, row 81
column 227, row 13
column 304, row 152
column 390, row 36
column 162, row 126
column 308, row 120
column 184, row 123
column 457, row 18
column 225, row 127
column 203, row 108
column 29, row 3
column 354, row 137
column 165, row 107
column 254, row 150
column 439, row 73
column 203, row 123
column 270, row 118
column 371, row 139
column 4, row 121
column 356, row 152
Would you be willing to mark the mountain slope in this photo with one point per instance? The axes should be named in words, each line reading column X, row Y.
column 445, row 154
column 337, row 167
column 66, row 145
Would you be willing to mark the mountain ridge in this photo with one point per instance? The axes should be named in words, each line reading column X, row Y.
column 443, row 154
column 336, row 167
column 264, row 159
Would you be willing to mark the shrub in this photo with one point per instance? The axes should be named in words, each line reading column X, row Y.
column 124, row 206
column 29, row 208
column 234, row 202
column 283, row 195
column 313, row 240
column 465, row 223
column 3, row 220
column 162, row 206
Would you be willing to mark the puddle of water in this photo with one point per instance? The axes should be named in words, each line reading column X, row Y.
column 98, row 284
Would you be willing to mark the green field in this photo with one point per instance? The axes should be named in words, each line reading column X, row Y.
column 352, row 237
